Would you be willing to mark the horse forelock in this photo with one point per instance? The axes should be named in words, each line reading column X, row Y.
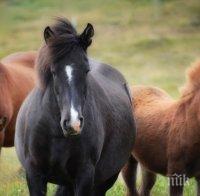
column 193, row 78
column 64, row 40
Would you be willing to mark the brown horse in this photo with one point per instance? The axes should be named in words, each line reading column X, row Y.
column 16, row 80
column 168, row 136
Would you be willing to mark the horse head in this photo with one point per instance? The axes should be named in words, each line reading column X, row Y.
column 67, row 69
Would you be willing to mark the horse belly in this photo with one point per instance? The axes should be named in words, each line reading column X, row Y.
column 156, row 165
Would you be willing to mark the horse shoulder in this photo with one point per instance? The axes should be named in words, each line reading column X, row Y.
column 27, row 120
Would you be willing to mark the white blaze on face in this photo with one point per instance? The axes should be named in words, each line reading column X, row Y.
column 74, row 121
column 74, row 115
column 68, row 70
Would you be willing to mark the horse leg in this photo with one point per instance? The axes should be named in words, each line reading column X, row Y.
column 37, row 183
column 148, row 181
column 64, row 191
column 198, row 185
column 85, row 180
column 176, row 189
column 129, row 174
column 103, row 188
column 177, row 177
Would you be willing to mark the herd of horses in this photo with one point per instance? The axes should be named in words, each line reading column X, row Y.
column 73, row 121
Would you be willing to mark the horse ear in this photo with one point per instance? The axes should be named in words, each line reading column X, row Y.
column 86, row 36
column 48, row 34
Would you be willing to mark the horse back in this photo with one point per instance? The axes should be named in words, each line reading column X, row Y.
column 26, row 59
column 146, row 94
column 111, row 84
column 106, row 72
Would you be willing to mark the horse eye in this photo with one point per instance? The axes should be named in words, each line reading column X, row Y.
column 87, row 71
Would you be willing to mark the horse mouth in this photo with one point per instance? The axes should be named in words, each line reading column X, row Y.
column 70, row 132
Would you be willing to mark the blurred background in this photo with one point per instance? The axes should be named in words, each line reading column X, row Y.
column 150, row 41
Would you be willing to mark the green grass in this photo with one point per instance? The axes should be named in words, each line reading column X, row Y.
column 150, row 43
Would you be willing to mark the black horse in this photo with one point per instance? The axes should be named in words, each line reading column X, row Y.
column 76, row 128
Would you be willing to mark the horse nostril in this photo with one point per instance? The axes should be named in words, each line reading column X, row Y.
column 81, row 121
column 66, row 124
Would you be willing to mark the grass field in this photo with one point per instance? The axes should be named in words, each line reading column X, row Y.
column 150, row 41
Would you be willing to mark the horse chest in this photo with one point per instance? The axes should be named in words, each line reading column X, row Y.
column 64, row 161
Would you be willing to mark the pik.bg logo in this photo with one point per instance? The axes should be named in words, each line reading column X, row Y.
column 178, row 180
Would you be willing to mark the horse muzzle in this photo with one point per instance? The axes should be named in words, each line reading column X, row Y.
column 74, row 128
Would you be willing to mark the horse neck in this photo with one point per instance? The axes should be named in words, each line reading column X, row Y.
column 188, row 112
